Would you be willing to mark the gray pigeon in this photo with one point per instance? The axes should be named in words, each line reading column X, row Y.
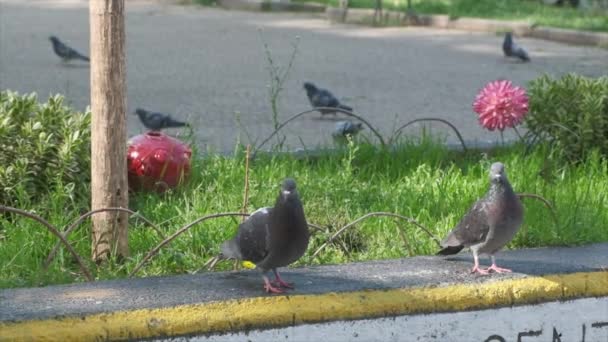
column 272, row 237
column 157, row 121
column 346, row 128
column 490, row 224
column 65, row 52
column 511, row 49
column 323, row 98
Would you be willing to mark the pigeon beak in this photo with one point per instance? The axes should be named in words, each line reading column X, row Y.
column 286, row 194
column 497, row 176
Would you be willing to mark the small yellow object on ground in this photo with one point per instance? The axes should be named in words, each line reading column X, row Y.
column 248, row 264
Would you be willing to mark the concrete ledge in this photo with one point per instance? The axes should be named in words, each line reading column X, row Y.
column 214, row 303
column 236, row 315
column 366, row 15
column 261, row 5
column 522, row 28
column 363, row 16
column 472, row 24
column 570, row 36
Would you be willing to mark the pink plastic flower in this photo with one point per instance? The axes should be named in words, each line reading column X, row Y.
column 501, row 105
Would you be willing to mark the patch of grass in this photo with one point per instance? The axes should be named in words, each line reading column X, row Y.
column 425, row 181
column 533, row 11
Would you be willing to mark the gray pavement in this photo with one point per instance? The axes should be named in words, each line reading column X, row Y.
column 207, row 64
column 155, row 292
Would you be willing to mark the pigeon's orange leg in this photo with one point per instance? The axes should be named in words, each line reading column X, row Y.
column 280, row 282
column 476, row 268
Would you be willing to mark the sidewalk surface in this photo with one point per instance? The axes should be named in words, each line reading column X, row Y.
column 208, row 66
column 212, row 302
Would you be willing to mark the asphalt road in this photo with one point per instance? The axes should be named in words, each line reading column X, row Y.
column 208, row 66
column 157, row 292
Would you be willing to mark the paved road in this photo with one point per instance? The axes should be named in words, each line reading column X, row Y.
column 158, row 292
column 205, row 65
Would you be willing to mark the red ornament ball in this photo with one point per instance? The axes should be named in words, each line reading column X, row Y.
column 157, row 162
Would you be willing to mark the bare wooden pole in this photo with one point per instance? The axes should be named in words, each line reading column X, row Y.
column 108, row 128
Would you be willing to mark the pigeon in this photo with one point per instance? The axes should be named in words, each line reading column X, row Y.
column 272, row 237
column 157, row 121
column 490, row 224
column 346, row 128
column 323, row 98
column 511, row 49
column 65, row 52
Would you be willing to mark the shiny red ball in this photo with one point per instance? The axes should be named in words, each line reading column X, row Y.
column 157, row 162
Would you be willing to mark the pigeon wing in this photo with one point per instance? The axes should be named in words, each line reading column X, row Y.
column 329, row 99
column 318, row 100
column 67, row 51
column 252, row 237
column 154, row 120
column 521, row 53
column 472, row 229
column 62, row 50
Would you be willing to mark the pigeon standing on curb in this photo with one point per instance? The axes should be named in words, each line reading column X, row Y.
column 511, row 49
column 65, row 52
column 346, row 128
column 272, row 237
column 323, row 98
column 490, row 224
column 157, row 121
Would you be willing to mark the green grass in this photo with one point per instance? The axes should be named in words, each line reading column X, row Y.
column 530, row 10
column 426, row 182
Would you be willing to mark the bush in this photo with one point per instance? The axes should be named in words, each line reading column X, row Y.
column 44, row 149
column 571, row 113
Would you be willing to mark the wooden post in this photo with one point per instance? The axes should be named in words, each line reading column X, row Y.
column 108, row 130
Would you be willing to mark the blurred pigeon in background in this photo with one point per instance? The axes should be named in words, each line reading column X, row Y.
column 490, row 224
column 511, row 49
column 157, row 121
column 65, row 52
column 272, row 237
column 323, row 98
column 346, row 128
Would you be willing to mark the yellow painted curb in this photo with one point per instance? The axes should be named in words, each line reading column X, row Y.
column 276, row 311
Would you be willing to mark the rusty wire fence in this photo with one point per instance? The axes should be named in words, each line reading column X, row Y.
column 63, row 234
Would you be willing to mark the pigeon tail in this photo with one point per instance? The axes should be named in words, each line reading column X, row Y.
column 449, row 250
column 345, row 107
column 84, row 58
column 171, row 123
column 230, row 250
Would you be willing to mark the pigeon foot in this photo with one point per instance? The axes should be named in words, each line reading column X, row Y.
column 280, row 282
column 477, row 269
column 498, row 269
column 269, row 288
